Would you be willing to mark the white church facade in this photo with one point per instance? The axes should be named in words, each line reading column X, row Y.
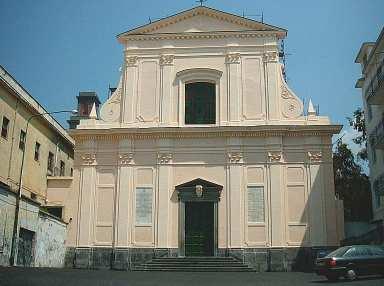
column 203, row 150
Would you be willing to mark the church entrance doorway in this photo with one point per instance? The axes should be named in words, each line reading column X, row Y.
column 198, row 225
column 199, row 229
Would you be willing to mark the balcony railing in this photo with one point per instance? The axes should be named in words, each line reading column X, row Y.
column 377, row 135
column 375, row 91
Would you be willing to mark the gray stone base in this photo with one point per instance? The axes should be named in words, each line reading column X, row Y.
column 260, row 259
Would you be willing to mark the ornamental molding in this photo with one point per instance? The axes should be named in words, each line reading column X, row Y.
column 166, row 60
column 235, row 157
column 131, row 61
column 88, row 159
column 233, row 58
column 164, row 158
column 315, row 156
column 275, row 156
column 126, row 159
column 270, row 57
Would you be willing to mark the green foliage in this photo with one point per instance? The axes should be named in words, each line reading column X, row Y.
column 357, row 122
column 351, row 185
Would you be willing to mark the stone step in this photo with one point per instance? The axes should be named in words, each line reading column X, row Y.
column 195, row 269
column 194, row 264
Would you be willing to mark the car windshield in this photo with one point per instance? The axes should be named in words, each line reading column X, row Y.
column 338, row 252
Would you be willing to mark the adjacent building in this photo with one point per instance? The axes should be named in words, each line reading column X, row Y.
column 48, row 152
column 203, row 150
column 371, row 59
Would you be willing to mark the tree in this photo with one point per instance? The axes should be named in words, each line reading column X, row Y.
column 357, row 122
column 351, row 185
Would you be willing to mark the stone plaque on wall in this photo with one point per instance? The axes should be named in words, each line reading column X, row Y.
column 255, row 204
column 143, row 205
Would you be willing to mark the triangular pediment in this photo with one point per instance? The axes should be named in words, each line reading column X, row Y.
column 202, row 19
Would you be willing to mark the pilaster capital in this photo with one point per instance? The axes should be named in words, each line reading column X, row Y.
column 275, row 156
column 88, row 159
column 315, row 156
column 126, row 159
column 131, row 61
column 166, row 60
column 232, row 58
column 235, row 157
column 270, row 57
column 164, row 158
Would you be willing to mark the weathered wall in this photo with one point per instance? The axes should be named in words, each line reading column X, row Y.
column 50, row 242
column 7, row 211
column 49, row 233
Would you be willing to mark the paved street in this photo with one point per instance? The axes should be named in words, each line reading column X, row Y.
column 58, row 277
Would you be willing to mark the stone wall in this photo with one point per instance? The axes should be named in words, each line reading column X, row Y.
column 260, row 259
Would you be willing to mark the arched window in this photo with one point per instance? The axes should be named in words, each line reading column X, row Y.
column 199, row 99
column 200, row 103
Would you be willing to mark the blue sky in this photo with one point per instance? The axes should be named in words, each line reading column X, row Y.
column 57, row 48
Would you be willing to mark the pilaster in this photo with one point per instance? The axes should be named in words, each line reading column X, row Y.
column 123, row 219
column 270, row 60
column 166, row 71
column 233, row 86
column 129, row 89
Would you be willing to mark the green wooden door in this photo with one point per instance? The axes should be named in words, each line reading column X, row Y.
column 199, row 229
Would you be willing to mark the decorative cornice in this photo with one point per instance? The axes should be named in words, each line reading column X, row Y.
column 88, row 159
column 212, row 132
column 166, row 60
column 232, row 58
column 315, row 157
column 126, row 159
column 203, row 35
column 164, row 158
column 235, row 157
column 275, row 156
column 131, row 61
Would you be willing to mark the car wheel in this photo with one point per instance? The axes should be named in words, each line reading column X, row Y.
column 350, row 275
column 332, row 277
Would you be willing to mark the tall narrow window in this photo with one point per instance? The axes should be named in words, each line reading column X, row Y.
column 62, row 168
column 50, row 162
column 4, row 127
column 22, row 140
column 255, row 204
column 37, row 151
column 143, row 205
column 200, row 103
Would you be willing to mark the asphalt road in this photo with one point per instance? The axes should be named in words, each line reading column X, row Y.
column 68, row 277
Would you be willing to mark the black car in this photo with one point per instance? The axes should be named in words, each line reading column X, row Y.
column 351, row 261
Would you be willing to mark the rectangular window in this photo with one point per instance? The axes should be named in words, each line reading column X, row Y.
column 4, row 127
column 62, row 168
column 71, row 172
column 22, row 140
column 255, row 204
column 37, row 151
column 50, row 162
column 143, row 205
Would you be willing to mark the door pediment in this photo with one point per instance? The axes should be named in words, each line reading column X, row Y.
column 199, row 190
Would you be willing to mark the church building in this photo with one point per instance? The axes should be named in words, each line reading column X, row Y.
column 203, row 150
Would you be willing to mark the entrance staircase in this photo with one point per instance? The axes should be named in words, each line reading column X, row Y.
column 194, row 264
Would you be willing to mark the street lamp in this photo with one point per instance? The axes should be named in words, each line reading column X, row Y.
column 18, row 197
